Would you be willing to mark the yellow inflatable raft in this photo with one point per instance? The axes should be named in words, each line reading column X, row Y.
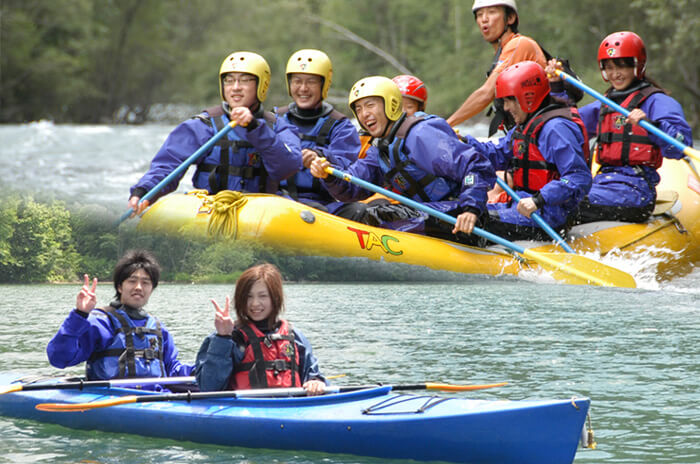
column 285, row 225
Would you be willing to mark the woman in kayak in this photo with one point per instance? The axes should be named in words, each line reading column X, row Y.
column 625, row 187
column 257, row 349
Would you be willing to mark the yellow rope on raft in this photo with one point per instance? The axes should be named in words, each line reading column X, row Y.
column 223, row 221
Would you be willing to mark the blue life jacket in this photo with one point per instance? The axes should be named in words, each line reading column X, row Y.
column 233, row 163
column 403, row 175
column 317, row 136
column 133, row 351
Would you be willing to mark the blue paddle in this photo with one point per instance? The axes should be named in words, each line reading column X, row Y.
column 536, row 217
column 182, row 168
column 571, row 268
column 691, row 152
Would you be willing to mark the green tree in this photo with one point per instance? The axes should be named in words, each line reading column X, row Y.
column 40, row 244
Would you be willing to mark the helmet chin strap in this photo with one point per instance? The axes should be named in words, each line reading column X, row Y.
column 506, row 26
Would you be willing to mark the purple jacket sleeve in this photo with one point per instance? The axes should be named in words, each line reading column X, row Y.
column 498, row 152
column 560, row 143
column 180, row 144
column 589, row 115
column 436, row 149
column 366, row 168
column 173, row 366
column 308, row 364
column 667, row 115
column 77, row 338
column 279, row 148
column 344, row 144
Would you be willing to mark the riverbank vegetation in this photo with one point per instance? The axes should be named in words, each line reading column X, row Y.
column 51, row 241
column 96, row 61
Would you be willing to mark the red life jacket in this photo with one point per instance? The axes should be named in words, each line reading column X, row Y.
column 621, row 144
column 531, row 171
column 269, row 360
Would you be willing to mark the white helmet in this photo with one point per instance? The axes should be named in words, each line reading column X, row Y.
column 484, row 3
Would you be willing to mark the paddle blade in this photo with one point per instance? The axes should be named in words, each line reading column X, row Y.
column 456, row 388
column 74, row 407
column 579, row 270
column 693, row 153
column 10, row 388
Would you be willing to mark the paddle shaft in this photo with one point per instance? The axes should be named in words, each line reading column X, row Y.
column 79, row 385
column 536, row 217
column 182, row 168
column 646, row 125
column 253, row 393
column 553, row 260
column 421, row 207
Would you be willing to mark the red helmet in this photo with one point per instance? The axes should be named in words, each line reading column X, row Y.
column 623, row 45
column 526, row 81
column 412, row 87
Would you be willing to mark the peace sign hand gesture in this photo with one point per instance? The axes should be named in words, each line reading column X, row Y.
column 222, row 320
column 87, row 299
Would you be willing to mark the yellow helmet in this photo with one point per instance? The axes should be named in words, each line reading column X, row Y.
column 378, row 86
column 311, row 62
column 247, row 62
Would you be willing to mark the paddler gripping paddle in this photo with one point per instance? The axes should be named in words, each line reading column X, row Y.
column 180, row 169
column 570, row 268
column 255, row 393
column 688, row 151
column 536, row 217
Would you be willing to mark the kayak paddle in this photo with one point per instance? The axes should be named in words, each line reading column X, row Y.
column 688, row 151
column 571, row 268
column 182, row 168
column 79, row 385
column 536, row 217
column 253, row 393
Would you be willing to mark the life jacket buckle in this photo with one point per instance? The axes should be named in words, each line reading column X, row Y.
column 278, row 365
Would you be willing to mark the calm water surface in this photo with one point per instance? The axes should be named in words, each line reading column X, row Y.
column 633, row 352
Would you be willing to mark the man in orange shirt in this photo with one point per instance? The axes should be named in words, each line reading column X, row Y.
column 498, row 23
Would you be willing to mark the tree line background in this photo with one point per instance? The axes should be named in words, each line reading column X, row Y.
column 53, row 241
column 106, row 61
column 112, row 61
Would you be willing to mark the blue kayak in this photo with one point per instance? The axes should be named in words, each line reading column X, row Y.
column 375, row 422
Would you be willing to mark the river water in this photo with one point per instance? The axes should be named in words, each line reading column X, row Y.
column 633, row 352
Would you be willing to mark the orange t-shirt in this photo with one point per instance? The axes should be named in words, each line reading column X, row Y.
column 519, row 48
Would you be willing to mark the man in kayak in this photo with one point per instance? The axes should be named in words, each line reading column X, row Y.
column 257, row 348
column 417, row 156
column 624, row 188
column 256, row 155
column 498, row 22
column 121, row 340
column 546, row 154
column 322, row 129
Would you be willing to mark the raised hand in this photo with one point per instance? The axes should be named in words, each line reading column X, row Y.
column 551, row 69
column 222, row 321
column 87, row 299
